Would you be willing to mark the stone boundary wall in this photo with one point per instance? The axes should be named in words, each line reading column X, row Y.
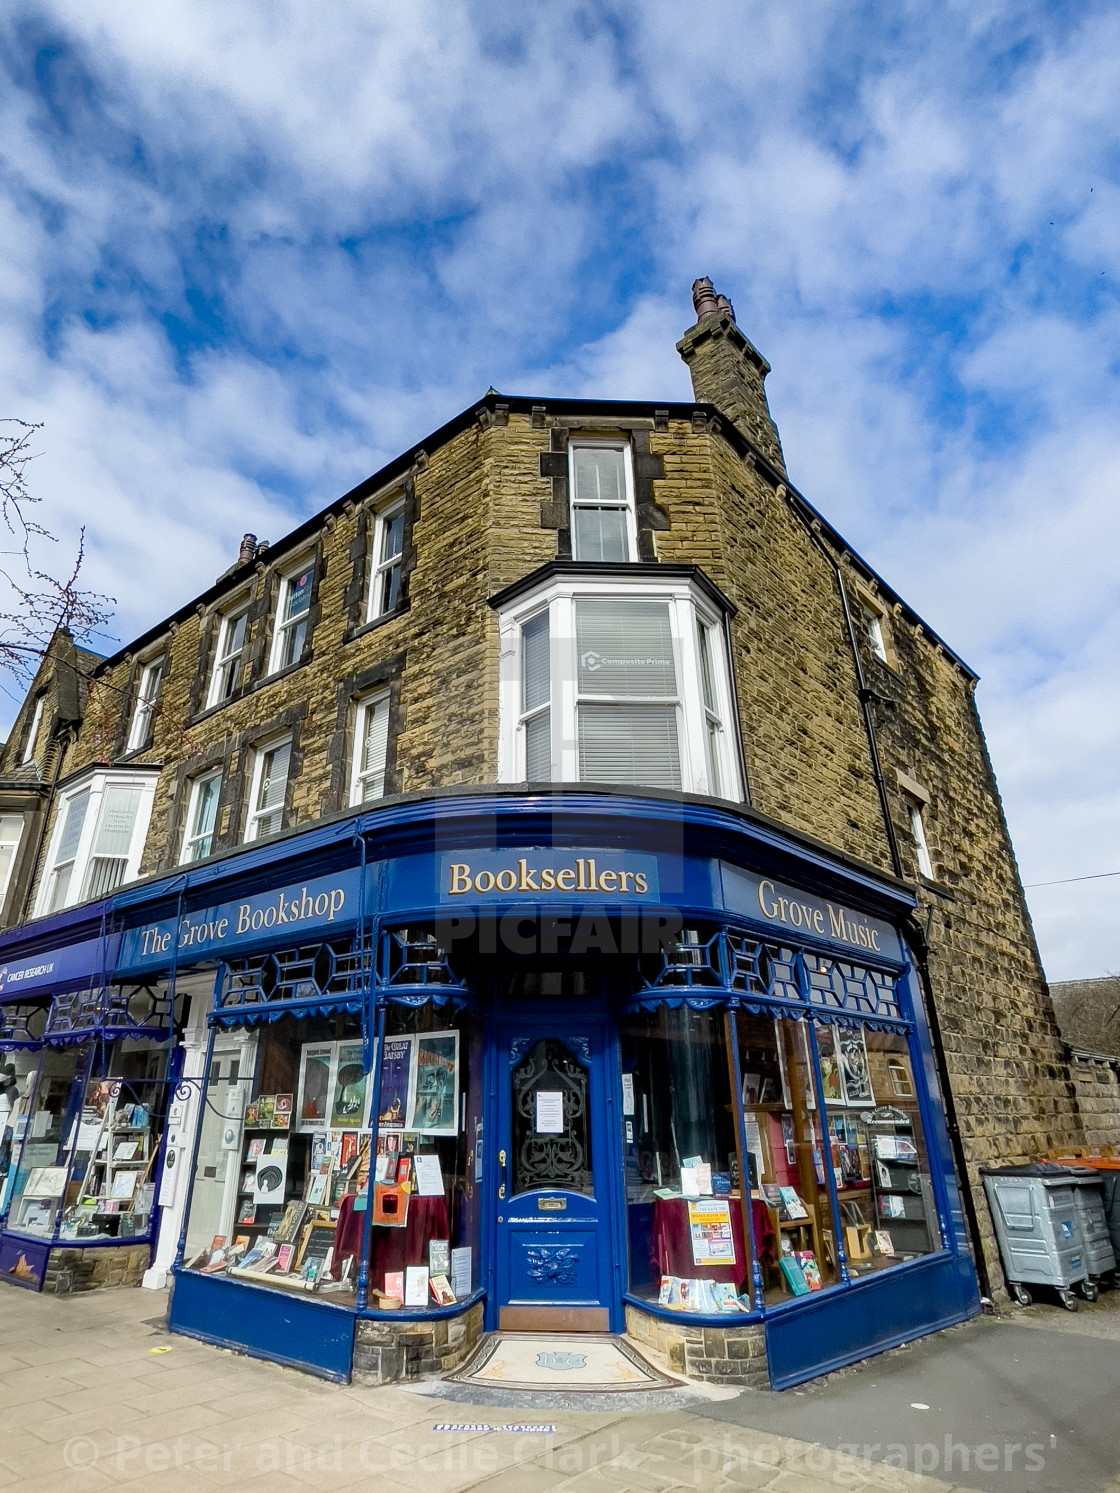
column 1096, row 1078
column 71, row 1270
column 386, row 1351
column 722, row 1355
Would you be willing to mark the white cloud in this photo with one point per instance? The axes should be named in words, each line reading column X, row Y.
column 246, row 256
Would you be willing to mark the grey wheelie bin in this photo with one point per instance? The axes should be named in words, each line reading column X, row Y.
column 1035, row 1217
column 1092, row 1221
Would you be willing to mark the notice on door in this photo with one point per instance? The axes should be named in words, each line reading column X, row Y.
column 550, row 1112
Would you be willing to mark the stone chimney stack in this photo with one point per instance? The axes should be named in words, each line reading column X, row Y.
column 728, row 371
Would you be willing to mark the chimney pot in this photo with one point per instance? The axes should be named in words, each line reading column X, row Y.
column 248, row 548
column 704, row 298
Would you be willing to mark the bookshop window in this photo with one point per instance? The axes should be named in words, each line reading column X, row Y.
column 683, row 1184
column 283, row 1157
column 428, row 1167
column 88, row 1142
column 887, row 1208
column 785, row 1157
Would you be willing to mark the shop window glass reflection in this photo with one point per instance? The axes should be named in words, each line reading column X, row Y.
column 887, row 1208
column 684, row 1205
column 284, row 1157
column 86, row 1143
column 786, row 1158
column 424, row 1248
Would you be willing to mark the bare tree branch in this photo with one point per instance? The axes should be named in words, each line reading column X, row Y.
column 39, row 603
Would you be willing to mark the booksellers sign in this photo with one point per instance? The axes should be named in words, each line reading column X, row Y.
column 305, row 907
column 548, row 874
column 796, row 912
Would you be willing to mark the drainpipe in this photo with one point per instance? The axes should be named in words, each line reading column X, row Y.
column 918, row 940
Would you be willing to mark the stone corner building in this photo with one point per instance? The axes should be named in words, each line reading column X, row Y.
column 577, row 885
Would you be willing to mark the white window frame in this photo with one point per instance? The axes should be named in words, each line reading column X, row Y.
column 33, row 730
column 873, row 631
column 283, row 627
column 191, row 834
column 224, row 657
column 94, row 782
column 358, row 777
column 582, row 443
column 380, row 566
column 255, row 814
column 921, row 844
column 143, row 711
column 12, row 837
column 689, row 606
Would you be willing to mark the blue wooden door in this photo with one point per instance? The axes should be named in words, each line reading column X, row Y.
column 551, row 1184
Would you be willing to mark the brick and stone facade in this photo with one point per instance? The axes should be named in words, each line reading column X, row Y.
column 841, row 739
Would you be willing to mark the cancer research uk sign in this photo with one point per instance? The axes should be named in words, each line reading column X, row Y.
column 305, row 907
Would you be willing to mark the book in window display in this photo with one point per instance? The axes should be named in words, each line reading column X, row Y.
column 831, row 1081
column 350, row 1083
column 854, row 1068
column 270, row 1176
column 314, row 1084
column 435, row 1102
column 396, row 1075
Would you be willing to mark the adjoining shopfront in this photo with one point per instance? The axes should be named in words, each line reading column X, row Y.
column 578, row 1062
column 82, row 1155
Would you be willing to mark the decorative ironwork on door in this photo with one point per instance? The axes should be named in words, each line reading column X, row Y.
column 543, row 1157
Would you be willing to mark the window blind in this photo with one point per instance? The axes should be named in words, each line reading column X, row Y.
column 625, row 649
column 72, row 827
column 599, row 475
column 600, row 534
column 115, row 824
column 375, row 746
column 274, row 777
column 629, row 744
column 537, row 679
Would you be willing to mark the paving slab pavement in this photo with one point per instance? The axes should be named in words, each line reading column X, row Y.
column 97, row 1395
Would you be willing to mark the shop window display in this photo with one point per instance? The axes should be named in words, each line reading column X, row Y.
column 284, row 1157
column 87, row 1143
column 291, row 1168
column 684, row 1201
column 786, row 1157
column 878, row 1148
column 424, row 1249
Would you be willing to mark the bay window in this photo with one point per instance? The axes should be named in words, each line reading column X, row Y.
column 626, row 682
column 11, row 833
column 98, row 837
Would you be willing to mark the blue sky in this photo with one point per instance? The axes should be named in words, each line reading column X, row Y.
column 248, row 253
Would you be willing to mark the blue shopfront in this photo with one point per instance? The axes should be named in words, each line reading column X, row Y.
column 571, row 1062
column 81, row 1158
